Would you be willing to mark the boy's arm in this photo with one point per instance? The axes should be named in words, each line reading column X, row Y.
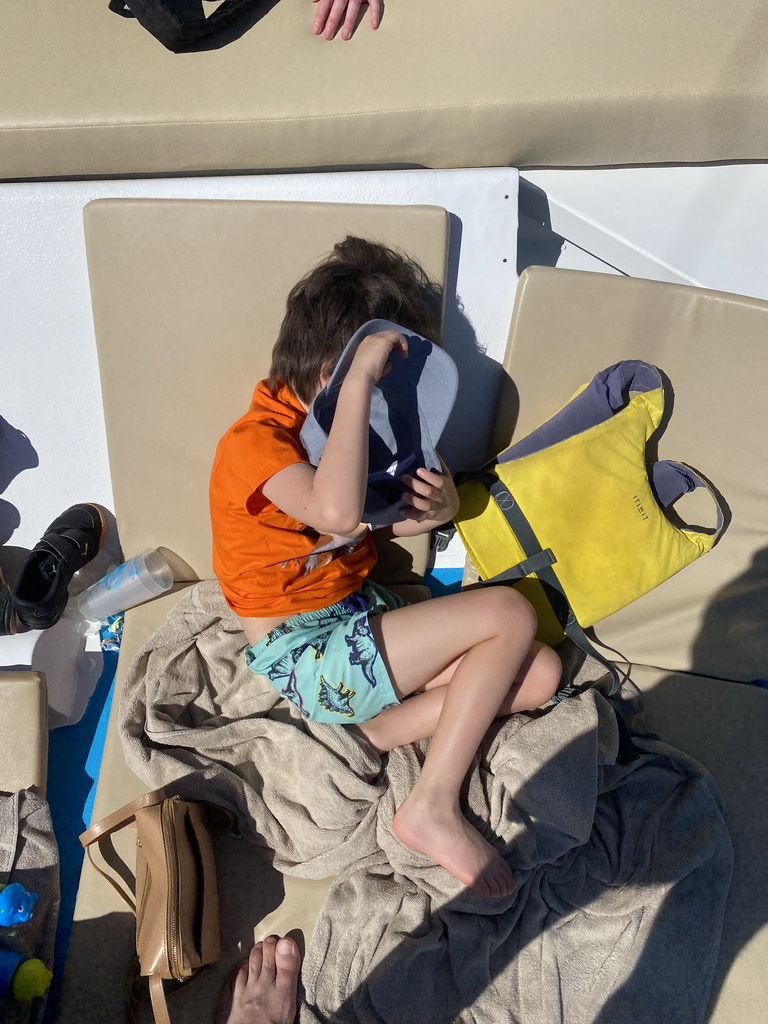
column 330, row 498
column 434, row 501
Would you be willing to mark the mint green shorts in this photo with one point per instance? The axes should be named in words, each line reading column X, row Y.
column 326, row 662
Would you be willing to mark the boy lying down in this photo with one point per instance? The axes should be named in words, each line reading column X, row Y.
column 293, row 560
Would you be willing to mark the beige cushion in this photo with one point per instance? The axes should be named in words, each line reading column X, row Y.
column 23, row 731
column 187, row 300
column 724, row 727
column 443, row 83
column 567, row 325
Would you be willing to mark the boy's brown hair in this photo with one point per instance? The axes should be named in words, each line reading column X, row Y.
column 359, row 281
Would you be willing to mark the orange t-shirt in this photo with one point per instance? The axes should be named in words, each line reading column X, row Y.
column 266, row 562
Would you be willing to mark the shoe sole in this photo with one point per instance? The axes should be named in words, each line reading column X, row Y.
column 12, row 627
column 102, row 519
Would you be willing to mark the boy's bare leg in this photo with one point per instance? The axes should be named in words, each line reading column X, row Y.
column 487, row 634
column 262, row 988
column 416, row 719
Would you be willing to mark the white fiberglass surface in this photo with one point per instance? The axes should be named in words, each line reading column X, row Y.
column 705, row 226
column 53, row 440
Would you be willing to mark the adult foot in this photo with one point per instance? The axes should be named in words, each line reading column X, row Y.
column 445, row 836
column 262, row 988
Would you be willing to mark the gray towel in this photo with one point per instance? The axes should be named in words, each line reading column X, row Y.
column 618, row 843
column 29, row 856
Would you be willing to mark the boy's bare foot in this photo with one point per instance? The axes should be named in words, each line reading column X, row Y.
column 450, row 841
column 262, row 988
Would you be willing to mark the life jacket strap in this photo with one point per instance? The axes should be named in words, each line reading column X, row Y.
column 540, row 561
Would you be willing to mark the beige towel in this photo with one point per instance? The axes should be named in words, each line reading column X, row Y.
column 618, row 843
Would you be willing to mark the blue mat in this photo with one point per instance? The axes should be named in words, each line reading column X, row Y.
column 74, row 756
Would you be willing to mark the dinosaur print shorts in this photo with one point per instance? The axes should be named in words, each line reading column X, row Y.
column 326, row 662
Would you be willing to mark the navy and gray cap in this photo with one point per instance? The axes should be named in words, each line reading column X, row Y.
column 410, row 406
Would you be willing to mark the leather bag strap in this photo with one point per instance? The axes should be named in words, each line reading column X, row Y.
column 120, row 892
column 99, row 835
column 118, row 819
column 157, row 995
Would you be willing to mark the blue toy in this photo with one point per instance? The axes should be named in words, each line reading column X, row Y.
column 16, row 905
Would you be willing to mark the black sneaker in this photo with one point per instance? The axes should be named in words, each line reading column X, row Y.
column 71, row 541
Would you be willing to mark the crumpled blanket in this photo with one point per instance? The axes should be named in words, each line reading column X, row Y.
column 618, row 843
column 29, row 855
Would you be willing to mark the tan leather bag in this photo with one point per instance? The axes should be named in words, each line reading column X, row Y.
column 174, row 894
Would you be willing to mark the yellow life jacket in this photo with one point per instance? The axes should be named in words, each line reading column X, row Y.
column 574, row 507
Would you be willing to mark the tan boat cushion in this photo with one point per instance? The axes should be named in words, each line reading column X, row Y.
column 187, row 300
column 23, row 731
column 567, row 325
column 442, row 83
column 724, row 727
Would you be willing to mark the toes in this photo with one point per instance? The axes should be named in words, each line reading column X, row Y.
column 495, row 884
column 264, row 984
column 288, row 961
column 504, row 879
column 232, row 992
column 496, row 881
column 268, row 957
column 482, row 886
column 241, row 967
column 505, row 886
column 255, row 960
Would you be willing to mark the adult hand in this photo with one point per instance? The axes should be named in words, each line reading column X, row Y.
column 434, row 498
column 332, row 13
column 373, row 355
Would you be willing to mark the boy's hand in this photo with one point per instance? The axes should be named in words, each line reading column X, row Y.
column 434, row 499
column 331, row 13
column 372, row 358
